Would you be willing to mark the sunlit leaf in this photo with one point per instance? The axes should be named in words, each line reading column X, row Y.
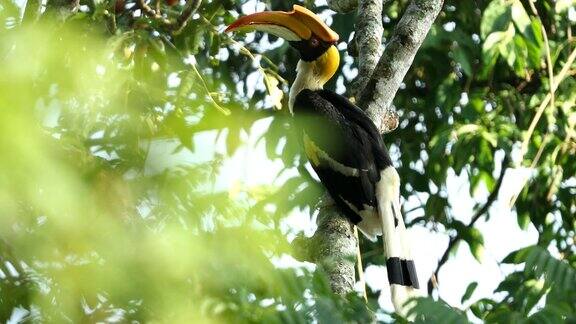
column 496, row 17
column 469, row 291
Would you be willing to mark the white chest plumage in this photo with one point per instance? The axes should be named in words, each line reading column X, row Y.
column 306, row 78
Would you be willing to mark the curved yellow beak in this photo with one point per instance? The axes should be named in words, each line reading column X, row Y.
column 296, row 25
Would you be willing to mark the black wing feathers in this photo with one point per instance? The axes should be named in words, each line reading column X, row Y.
column 347, row 136
column 356, row 115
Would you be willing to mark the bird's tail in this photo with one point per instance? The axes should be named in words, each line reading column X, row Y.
column 399, row 262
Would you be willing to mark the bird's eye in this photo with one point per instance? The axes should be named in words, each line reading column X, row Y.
column 314, row 42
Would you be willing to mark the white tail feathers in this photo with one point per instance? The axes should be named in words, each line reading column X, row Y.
column 400, row 264
column 370, row 225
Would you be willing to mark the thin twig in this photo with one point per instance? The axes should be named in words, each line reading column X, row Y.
column 181, row 22
column 540, row 150
column 113, row 28
column 225, row 111
column 549, row 64
column 557, row 80
column 360, row 266
column 433, row 282
column 245, row 51
column 560, row 150
column 158, row 6
column 148, row 11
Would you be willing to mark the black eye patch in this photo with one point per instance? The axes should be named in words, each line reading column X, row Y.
column 311, row 49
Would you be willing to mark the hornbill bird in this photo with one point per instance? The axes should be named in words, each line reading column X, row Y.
column 342, row 144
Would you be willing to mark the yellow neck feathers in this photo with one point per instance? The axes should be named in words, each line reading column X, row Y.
column 313, row 75
column 326, row 65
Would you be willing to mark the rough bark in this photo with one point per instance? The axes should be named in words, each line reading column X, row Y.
column 387, row 77
column 342, row 6
column 334, row 249
column 334, row 242
column 368, row 39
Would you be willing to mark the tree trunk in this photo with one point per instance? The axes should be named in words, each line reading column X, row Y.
column 334, row 249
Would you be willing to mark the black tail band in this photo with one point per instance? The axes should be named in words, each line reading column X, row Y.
column 402, row 272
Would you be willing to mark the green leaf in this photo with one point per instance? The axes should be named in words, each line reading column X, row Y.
column 488, row 180
column 534, row 43
column 497, row 43
column 436, row 207
column 539, row 263
column 520, row 17
column 520, row 64
column 493, row 41
column 233, row 140
column 497, row 16
column 462, row 57
column 472, row 236
column 447, row 95
column 469, row 291
column 197, row 39
column 468, row 128
column 481, row 308
column 548, row 314
column 507, row 50
column 438, row 143
column 462, row 153
column 274, row 91
column 523, row 220
column 428, row 310
column 489, row 137
column 418, row 182
column 476, row 244
column 517, row 257
column 507, row 47
column 482, row 177
column 275, row 132
column 504, row 315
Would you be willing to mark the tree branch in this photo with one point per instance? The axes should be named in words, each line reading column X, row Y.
column 334, row 248
column 151, row 13
column 454, row 240
column 398, row 56
column 343, row 6
column 181, row 22
column 368, row 38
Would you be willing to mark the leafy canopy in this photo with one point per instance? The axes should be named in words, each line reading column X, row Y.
column 117, row 122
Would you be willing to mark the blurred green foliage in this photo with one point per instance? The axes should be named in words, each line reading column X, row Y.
column 91, row 230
